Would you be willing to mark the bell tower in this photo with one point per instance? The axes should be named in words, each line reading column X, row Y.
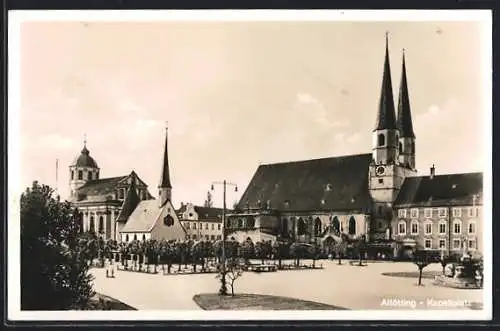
column 83, row 169
column 384, row 175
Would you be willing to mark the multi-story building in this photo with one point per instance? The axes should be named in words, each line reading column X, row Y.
column 440, row 213
column 316, row 200
column 200, row 222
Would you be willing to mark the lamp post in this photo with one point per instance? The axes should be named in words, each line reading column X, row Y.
column 224, row 183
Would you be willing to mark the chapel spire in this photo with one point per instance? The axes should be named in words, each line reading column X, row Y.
column 165, row 186
column 386, row 117
column 404, row 122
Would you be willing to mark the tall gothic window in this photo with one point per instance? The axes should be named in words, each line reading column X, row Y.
column 381, row 140
column 317, row 227
column 284, row 227
column 336, row 224
column 352, row 225
column 301, row 227
column 400, row 148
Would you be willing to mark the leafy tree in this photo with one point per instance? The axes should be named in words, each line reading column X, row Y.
column 234, row 271
column 341, row 247
column 247, row 250
column 54, row 255
column 420, row 258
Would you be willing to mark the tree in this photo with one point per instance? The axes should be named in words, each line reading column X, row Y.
column 247, row 250
column 54, row 255
column 420, row 258
column 341, row 247
column 208, row 201
column 234, row 271
column 361, row 248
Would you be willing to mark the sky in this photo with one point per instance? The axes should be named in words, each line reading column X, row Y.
column 239, row 94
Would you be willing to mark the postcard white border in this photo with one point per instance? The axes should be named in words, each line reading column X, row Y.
column 17, row 17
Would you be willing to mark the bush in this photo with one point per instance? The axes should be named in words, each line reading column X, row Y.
column 54, row 256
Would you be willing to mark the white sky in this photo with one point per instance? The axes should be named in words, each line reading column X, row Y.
column 239, row 94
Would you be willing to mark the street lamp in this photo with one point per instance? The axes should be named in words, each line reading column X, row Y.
column 224, row 183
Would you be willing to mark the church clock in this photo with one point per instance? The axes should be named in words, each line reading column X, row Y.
column 380, row 170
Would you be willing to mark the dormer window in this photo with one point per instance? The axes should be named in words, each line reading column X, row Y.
column 328, row 187
column 323, row 201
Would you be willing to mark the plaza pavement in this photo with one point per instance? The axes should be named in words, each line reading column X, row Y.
column 344, row 285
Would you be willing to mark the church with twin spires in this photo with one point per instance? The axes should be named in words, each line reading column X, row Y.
column 376, row 196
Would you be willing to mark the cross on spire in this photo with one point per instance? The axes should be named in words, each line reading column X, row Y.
column 85, row 139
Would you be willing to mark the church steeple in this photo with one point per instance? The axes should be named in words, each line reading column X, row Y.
column 405, row 125
column 386, row 118
column 165, row 186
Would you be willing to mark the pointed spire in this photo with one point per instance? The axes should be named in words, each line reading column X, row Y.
column 165, row 173
column 386, row 118
column 404, row 122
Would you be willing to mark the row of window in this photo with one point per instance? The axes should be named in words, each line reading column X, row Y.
column 381, row 143
column 206, row 237
column 441, row 212
column 301, row 226
column 135, row 237
column 457, row 244
column 187, row 226
column 80, row 175
column 457, row 227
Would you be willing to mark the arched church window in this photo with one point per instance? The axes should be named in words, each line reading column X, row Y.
column 381, row 140
column 92, row 224
column 143, row 237
column 80, row 174
column 126, row 238
column 352, row 225
column 101, row 224
column 135, row 237
column 90, row 175
column 317, row 227
column 400, row 148
column 284, row 227
column 336, row 224
column 72, row 174
column 301, row 227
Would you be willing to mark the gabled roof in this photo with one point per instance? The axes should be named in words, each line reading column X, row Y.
column 129, row 204
column 453, row 189
column 144, row 217
column 205, row 213
column 335, row 183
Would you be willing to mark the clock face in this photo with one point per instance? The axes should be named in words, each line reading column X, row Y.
column 380, row 170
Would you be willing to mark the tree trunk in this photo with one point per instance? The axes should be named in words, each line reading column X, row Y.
column 194, row 267
column 420, row 276
column 232, row 288
column 169, row 266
